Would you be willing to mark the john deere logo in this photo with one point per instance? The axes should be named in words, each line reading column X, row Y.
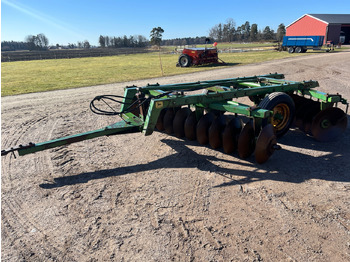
column 159, row 104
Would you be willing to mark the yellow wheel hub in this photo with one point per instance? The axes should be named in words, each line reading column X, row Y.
column 281, row 114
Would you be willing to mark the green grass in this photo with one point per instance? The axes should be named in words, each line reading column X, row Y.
column 46, row 75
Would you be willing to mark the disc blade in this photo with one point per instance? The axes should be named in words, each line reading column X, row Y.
column 190, row 126
column 265, row 144
column 246, row 140
column 160, row 120
column 298, row 100
column 309, row 113
column 230, row 135
column 168, row 121
column 300, row 111
column 202, row 128
column 329, row 124
column 179, row 121
column 215, row 131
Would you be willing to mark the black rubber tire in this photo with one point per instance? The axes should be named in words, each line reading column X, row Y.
column 279, row 102
column 291, row 50
column 298, row 49
column 185, row 60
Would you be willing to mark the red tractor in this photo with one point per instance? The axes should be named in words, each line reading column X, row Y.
column 198, row 56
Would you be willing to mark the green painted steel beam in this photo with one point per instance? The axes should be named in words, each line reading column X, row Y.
column 250, row 84
column 238, row 108
column 223, row 85
column 129, row 95
column 130, row 124
column 205, row 84
column 329, row 98
column 152, row 116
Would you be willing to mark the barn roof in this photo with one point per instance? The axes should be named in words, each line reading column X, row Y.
column 328, row 18
column 333, row 18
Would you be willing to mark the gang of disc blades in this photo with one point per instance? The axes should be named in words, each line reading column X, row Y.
column 246, row 140
column 265, row 144
column 179, row 121
column 329, row 124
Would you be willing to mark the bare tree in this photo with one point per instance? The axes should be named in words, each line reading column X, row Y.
column 42, row 41
column 141, row 40
column 37, row 42
column 30, row 39
column 216, row 32
column 86, row 44
column 229, row 30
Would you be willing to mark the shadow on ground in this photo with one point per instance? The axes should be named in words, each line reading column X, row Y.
column 293, row 165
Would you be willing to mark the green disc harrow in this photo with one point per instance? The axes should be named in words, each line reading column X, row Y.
column 208, row 111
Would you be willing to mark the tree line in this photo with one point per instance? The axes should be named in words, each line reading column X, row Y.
column 199, row 40
column 222, row 32
column 14, row 45
column 229, row 32
column 118, row 42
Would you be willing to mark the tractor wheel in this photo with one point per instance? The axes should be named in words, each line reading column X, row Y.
column 291, row 50
column 283, row 109
column 184, row 60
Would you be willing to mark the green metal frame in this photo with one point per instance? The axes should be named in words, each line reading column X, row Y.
column 218, row 96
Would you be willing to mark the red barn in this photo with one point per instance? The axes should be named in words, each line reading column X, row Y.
column 334, row 27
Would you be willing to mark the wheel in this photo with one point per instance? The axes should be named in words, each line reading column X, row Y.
column 184, row 60
column 304, row 50
column 298, row 49
column 291, row 50
column 283, row 109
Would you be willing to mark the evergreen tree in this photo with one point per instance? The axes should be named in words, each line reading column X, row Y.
column 281, row 32
column 254, row 33
column 156, row 35
column 102, row 41
column 268, row 34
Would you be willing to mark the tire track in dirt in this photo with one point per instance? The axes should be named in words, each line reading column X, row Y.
column 22, row 131
column 26, row 228
column 17, row 135
column 157, row 198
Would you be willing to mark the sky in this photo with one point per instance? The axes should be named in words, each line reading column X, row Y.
column 70, row 21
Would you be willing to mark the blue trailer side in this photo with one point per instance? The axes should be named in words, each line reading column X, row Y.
column 300, row 44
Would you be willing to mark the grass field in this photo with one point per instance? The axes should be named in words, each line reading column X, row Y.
column 46, row 75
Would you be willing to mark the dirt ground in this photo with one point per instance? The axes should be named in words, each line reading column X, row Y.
column 159, row 198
